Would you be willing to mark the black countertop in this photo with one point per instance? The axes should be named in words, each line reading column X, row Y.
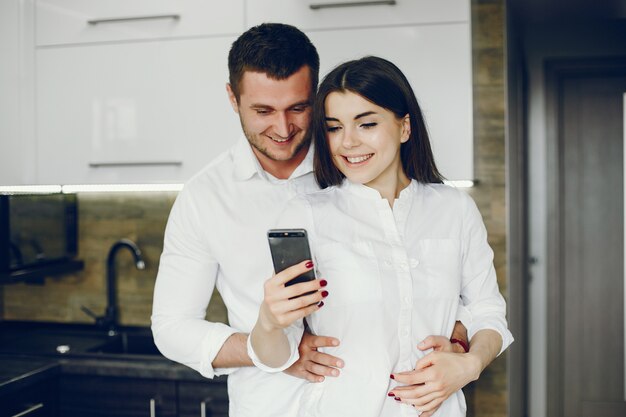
column 28, row 354
column 17, row 373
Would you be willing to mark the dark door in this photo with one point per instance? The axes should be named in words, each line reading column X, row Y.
column 586, row 340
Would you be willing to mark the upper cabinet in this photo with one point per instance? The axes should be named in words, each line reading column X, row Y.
column 122, row 91
column 67, row 22
column 132, row 92
column 337, row 14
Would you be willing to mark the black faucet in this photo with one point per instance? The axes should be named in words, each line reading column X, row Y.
column 109, row 320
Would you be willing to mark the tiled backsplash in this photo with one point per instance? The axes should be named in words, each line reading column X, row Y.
column 104, row 219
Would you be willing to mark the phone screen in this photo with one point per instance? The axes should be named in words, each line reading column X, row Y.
column 289, row 247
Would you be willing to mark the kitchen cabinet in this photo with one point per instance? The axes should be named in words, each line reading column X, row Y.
column 133, row 112
column 17, row 140
column 99, row 396
column 202, row 399
column 429, row 40
column 324, row 14
column 134, row 92
column 139, row 96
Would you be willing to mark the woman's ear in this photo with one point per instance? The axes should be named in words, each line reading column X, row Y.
column 406, row 129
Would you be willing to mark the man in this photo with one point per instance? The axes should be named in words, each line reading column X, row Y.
column 216, row 233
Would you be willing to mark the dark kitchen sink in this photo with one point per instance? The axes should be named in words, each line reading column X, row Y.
column 128, row 344
column 75, row 339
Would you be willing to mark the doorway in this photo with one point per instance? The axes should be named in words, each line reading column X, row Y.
column 585, row 237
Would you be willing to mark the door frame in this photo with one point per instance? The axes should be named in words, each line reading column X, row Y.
column 555, row 71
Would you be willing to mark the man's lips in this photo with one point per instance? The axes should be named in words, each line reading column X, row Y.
column 280, row 140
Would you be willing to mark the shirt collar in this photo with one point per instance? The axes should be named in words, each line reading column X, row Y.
column 247, row 164
column 364, row 191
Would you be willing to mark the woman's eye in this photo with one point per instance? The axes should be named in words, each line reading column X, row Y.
column 368, row 125
column 332, row 129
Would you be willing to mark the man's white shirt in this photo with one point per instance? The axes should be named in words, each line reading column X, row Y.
column 216, row 236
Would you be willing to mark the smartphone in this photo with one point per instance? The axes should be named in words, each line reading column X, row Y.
column 290, row 247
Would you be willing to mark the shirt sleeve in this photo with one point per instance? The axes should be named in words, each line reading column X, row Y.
column 183, row 289
column 480, row 293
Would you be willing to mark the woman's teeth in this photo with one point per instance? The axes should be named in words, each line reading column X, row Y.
column 357, row 159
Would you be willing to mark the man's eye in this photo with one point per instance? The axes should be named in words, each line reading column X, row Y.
column 262, row 112
column 299, row 109
column 368, row 125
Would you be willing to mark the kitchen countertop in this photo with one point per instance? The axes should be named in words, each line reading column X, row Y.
column 28, row 354
column 17, row 373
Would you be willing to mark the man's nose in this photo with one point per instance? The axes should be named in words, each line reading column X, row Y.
column 282, row 125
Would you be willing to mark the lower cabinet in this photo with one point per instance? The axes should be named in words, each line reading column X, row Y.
column 99, row 396
column 36, row 400
column 202, row 399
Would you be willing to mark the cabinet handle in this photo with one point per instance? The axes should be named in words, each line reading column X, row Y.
column 132, row 18
column 318, row 6
column 134, row 163
column 29, row 410
column 203, row 407
column 152, row 407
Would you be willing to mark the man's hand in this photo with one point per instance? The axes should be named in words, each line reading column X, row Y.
column 314, row 366
column 428, row 400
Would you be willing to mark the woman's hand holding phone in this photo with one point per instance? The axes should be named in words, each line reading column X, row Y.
column 282, row 305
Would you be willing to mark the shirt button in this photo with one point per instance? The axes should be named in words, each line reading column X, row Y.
column 414, row 263
column 405, row 333
column 408, row 301
column 387, row 263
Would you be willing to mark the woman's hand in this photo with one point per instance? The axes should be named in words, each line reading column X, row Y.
column 282, row 305
column 436, row 376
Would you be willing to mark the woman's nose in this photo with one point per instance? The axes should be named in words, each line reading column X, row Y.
column 350, row 139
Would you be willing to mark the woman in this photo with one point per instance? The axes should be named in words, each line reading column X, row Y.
column 397, row 249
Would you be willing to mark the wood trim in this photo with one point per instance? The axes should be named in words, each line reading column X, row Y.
column 517, row 223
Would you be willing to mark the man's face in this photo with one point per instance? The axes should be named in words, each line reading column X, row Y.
column 275, row 115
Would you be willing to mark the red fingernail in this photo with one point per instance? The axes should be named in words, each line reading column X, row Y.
column 309, row 264
column 391, row 394
column 323, row 283
column 397, row 399
column 324, row 294
column 321, row 304
column 392, row 377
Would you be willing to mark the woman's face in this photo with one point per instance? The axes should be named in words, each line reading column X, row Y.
column 364, row 139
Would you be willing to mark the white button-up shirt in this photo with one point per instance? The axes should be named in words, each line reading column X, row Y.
column 394, row 278
column 216, row 235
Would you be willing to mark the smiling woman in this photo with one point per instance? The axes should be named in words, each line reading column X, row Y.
column 404, row 257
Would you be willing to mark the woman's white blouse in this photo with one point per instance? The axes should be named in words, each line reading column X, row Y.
column 394, row 277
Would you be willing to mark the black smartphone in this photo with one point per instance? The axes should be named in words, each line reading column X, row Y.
column 290, row 247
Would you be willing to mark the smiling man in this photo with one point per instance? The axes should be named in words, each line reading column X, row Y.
column 216, row 232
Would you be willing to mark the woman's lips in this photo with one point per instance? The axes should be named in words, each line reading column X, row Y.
column 357, row 159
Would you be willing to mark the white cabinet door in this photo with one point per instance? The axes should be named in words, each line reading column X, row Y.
column 86, row 21
column 437, row 61
column 132, row 112
column 324, row 14
column 17, row 141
